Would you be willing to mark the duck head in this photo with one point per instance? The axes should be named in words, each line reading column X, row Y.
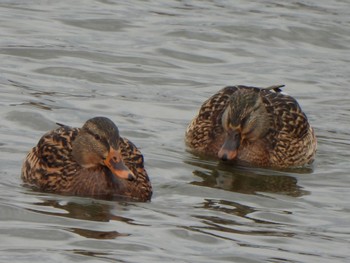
column 97, row 144
column 245, row 119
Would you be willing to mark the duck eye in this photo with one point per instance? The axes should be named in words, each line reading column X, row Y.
column 97, row 137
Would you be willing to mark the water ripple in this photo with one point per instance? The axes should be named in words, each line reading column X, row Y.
column 148, row 65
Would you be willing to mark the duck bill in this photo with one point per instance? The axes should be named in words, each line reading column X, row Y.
column 114, row 162
column 229, row 149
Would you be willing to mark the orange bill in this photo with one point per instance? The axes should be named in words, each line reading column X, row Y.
column 114, row 162
column 230, row 147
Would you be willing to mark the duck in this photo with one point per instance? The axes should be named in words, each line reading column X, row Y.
column 262, row 127
column 93, row 161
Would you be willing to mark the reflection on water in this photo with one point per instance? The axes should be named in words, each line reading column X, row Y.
column 247, row 180
column 87, row 211
column 250, row 183
column 96, row 234
column 90, row 211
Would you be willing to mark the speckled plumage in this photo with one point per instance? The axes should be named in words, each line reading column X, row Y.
column 51, row 167
column 281, row 135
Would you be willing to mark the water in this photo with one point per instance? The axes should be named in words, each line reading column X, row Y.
column 148, row 65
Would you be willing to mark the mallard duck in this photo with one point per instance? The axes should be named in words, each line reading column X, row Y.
column 89, row 161
column 257, row 126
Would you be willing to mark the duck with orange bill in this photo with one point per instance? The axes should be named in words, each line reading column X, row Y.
column 89, row 161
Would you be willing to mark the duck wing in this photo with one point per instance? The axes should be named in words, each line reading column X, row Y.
column 49, row 163
column 291, row 137
column 133, row 159
column 287, row 114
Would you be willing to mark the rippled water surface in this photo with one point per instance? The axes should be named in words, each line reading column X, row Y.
column 148, row 65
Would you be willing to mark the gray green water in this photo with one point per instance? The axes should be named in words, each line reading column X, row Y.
column 148, row 65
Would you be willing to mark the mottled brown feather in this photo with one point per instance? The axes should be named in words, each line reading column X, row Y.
column 290, row 140
column 50, row 167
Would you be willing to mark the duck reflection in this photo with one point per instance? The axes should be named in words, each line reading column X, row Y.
column 91, row 211
column 228, row 220
column 247, row 180
column 96, row 234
